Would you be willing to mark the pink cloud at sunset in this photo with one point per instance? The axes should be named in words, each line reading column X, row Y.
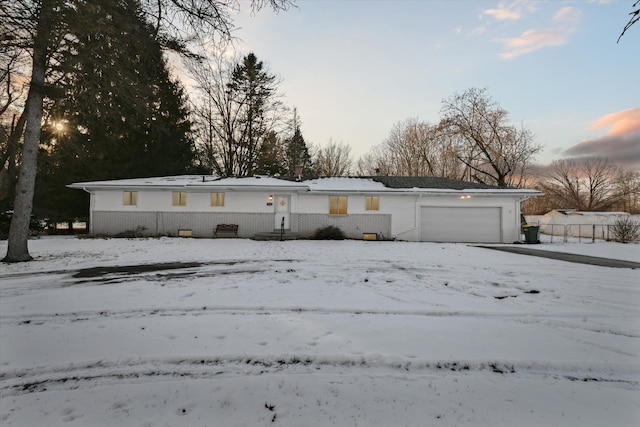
column 621, row 142
column 565, row 21
column 532, row 40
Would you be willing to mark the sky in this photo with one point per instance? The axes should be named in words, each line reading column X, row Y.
column 354, row 68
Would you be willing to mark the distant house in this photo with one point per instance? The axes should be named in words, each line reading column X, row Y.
column 405, row 208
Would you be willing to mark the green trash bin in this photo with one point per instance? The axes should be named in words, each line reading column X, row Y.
column 531, row 234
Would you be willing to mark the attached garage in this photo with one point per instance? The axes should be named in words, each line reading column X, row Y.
column 461, row 224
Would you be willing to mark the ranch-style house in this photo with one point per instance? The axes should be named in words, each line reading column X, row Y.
column 381, row 207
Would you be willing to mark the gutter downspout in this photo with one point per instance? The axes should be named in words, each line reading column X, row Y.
column 91, row 203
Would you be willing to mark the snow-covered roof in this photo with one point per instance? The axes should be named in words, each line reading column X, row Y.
column 407, row 185
column 192, row 181
column 346, row 184
column 599, row 213
column 164, row 181
column 583, row 213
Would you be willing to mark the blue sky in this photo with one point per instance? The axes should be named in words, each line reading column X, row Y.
column 354, row 68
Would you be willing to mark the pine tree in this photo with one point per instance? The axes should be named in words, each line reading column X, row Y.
column 122, row 115
column 271, row 156
column 252, row 88
column 298, row 155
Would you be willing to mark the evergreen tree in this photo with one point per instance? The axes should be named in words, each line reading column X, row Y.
column 252, row 89
column 297, row 151
column 271, row 156
column 121, row 113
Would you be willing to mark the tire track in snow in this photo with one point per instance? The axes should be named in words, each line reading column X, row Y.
column 38, row 319
column 114, row 372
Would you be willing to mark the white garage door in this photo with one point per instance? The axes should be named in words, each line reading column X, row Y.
column 474, row 225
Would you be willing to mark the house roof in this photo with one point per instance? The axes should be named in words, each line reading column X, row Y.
column 429, row 182
column 574, row 212
column 376, row 184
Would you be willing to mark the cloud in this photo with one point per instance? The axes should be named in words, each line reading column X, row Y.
column 568, row 14
column 620, row 143
column 503, row 12
column 512, row 11
column 566, row 21
column 532, row 40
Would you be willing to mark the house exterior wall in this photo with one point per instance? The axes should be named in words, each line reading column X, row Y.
column 202, row 224
column 398, row 216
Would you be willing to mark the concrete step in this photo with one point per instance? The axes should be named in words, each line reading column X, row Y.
column 275, row 235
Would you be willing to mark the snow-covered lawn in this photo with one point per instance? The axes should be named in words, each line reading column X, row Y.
column 235, row 332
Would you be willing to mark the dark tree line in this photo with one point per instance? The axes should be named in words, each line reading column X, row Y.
column 112, row 110
column 43, row 30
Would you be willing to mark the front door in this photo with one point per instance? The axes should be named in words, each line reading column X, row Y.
column 282, row 211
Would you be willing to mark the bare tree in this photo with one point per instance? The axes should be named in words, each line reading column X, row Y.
column 413, row 148
column 376, row 161
column 635, row 17
column 333, row 159
column 494, row 151
column 627, row 186
column 584, row 184
column 234, row 117
column 215, row 115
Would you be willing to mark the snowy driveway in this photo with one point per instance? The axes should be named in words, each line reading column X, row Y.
column 237, row 332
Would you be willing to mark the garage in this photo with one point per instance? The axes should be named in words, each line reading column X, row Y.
column 456, row 224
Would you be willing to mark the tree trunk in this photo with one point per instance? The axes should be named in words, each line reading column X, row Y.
column 17, row 249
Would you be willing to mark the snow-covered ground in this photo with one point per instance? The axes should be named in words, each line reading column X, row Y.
column 232, row 332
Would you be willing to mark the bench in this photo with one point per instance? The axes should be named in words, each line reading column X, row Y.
column 226, row 230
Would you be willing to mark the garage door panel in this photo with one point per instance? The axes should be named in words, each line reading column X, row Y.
column 453, row 224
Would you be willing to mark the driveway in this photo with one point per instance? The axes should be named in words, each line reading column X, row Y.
column 563, row 256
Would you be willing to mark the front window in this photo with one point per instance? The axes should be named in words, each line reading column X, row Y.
column 337, row 205
column 372, row 203
column 179, row 198
column 130, row 198
column 217, row 199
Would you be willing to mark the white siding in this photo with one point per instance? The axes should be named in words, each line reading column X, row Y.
column 200, row 201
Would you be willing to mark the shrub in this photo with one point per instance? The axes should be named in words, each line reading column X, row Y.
column 329, row 233
column 626, row 229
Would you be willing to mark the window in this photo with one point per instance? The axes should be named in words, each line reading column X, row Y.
column 217, row 199
column 372, row 203
column 337, row 205
column 179, row 198
column 130, row 198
